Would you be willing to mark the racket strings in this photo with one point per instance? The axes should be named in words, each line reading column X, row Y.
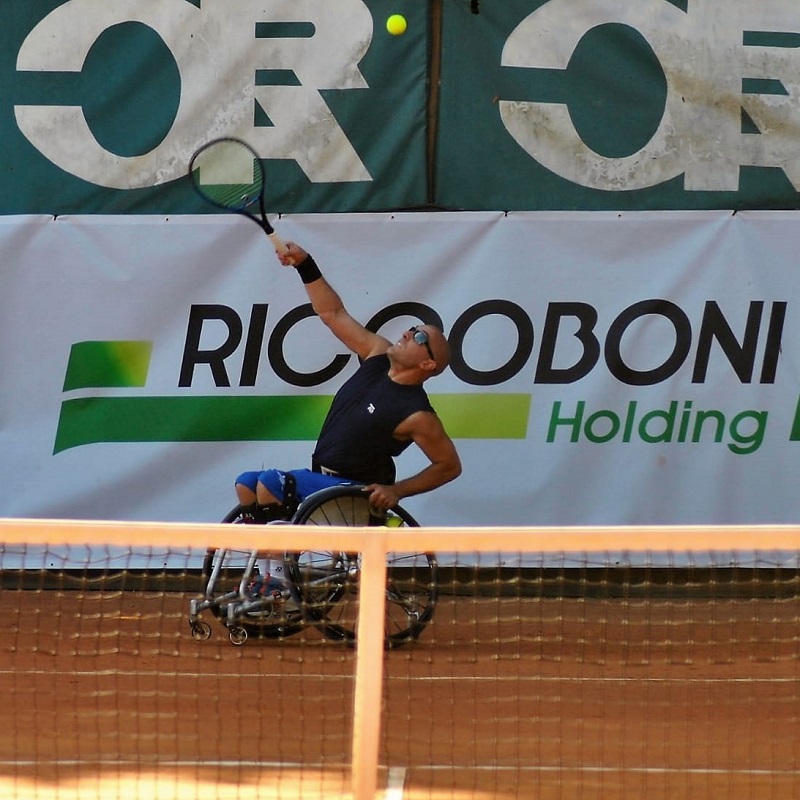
column 228, row 174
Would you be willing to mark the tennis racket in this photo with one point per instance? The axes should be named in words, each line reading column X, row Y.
column 229, row 174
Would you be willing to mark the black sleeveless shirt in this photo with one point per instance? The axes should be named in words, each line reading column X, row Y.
column 356, row 440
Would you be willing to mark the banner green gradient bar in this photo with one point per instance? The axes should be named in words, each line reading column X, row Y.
column 108, row 364
column 92, row 420
column 794, row 436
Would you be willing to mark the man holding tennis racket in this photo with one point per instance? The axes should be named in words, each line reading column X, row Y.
column 373, row 418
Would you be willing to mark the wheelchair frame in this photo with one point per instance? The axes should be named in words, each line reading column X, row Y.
column 322, row 587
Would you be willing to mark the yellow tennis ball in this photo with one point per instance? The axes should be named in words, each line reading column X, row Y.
column 396, row 24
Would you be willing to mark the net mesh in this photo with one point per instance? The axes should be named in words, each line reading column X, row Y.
column 559, row 674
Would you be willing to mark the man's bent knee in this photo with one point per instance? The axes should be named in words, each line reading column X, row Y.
column 264, row 497
column 270, row 486
column 245, row 494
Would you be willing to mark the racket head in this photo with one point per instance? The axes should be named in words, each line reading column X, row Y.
column 227, row 173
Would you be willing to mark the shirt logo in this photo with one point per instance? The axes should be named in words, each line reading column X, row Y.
column 371, row 408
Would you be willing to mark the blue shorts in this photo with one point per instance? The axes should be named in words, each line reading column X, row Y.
column 308, row 482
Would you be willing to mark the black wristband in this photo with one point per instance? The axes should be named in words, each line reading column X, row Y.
column 308, row 270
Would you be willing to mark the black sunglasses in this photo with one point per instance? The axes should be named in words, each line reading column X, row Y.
column 420, row 337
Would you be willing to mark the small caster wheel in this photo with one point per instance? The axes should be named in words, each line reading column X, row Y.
column 200, row 631
column 238, row 636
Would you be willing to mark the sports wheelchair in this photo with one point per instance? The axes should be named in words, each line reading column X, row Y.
column 321, row 588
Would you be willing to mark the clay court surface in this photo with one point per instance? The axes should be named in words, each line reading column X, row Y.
column 107, row 695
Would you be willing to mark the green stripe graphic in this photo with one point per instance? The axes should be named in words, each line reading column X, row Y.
column 794, row 436
column 90, row 420
column 107, row 364
column 484, row 416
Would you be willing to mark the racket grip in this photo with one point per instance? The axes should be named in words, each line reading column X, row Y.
column 278, row 243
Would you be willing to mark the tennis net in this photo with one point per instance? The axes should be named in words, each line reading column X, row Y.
column 547, row 663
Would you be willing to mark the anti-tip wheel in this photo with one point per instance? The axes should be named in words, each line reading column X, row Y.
column 238, row 636
column 200, row 631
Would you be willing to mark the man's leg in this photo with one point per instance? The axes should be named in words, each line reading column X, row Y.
column 257, row 498
column 263, row 506
column 264, row 497
column 245, row 495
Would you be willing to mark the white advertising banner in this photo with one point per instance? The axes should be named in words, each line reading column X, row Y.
column 608, row 368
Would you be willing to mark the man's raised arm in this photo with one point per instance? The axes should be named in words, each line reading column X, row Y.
column 328, row 305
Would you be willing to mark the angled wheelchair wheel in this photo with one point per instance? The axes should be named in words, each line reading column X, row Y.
column 258, row 617
column 327, row 582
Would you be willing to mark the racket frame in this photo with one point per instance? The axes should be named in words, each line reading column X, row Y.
column 261, row 218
